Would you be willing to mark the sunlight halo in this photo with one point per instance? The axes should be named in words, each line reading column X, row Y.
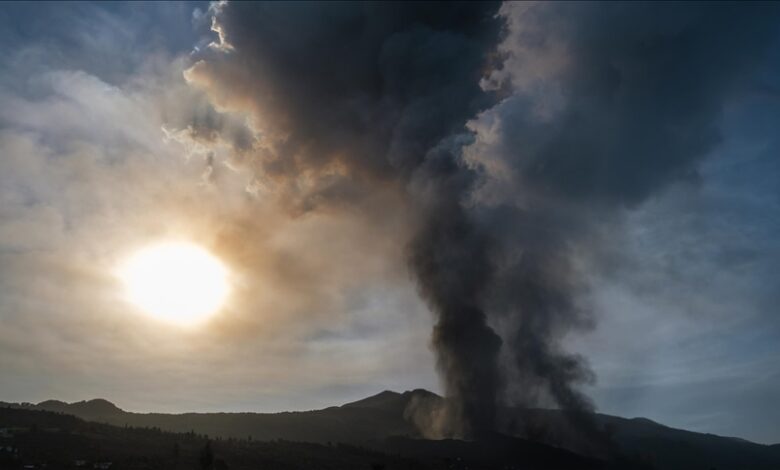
column 177, row 282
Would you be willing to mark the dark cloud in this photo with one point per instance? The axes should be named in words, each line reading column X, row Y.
column 368, row 89
column 640, row 89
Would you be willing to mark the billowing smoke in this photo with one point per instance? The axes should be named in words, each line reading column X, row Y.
column 450, row 255
column 606, row 105
column 350, row 96
column 510, row 136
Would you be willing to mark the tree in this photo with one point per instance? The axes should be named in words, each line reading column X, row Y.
column 176, row 452
column 207, row 457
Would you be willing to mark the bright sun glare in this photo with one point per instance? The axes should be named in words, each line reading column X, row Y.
column 179, row 283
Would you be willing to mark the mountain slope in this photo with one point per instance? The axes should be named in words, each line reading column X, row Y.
column 389, row 415
column 661, row 446
column 41, row 439
column 372, row 418
column 38, row 439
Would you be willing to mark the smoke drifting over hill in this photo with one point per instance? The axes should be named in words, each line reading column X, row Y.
column 506, row 130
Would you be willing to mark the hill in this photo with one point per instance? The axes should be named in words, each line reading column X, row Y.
column 386, row 421
column 43, row 439
column 373, row 418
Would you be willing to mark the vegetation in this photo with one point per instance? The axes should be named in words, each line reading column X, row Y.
column 58, row 441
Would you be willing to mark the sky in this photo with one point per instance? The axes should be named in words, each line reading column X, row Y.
column 591, row 191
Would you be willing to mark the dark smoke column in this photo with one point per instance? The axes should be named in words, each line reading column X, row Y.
column 449, row 256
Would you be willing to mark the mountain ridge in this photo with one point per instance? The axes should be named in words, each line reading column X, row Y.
column 389, row 415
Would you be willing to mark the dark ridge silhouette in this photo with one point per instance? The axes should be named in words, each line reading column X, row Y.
column 41, row 439
column 88, row 409
column 381, row 423
column 495, row 452
column 63, row 441
column 380, row 400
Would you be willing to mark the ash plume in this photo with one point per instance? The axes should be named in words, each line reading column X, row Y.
column 509, row 136
column 450, row 255
column 606, row 105
column 379, row 93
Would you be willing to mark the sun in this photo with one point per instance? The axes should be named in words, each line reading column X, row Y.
column 177, row 282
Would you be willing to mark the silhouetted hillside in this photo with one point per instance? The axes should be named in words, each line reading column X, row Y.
column 382, row 419
column 42, row 439
column 648, row 441
column 392, row 401
column 498, row 452
column 88, row 410
column 372, row 418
